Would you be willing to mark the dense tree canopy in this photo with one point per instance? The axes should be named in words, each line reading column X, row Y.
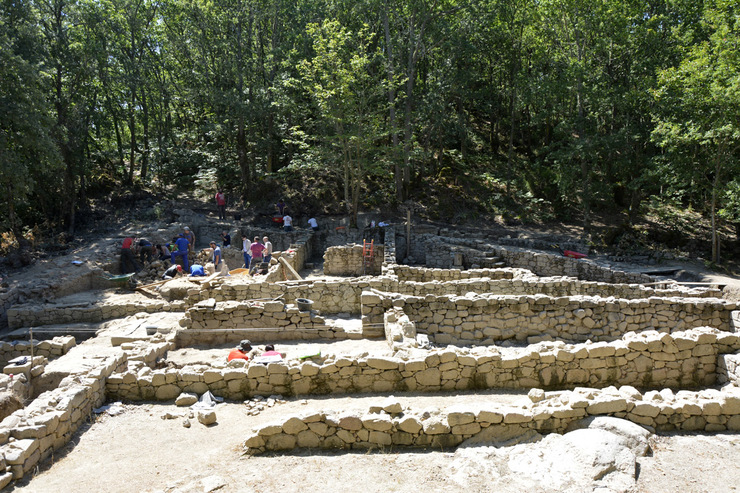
column 525, row 107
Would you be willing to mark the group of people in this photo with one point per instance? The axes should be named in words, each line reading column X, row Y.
column 246, row 352
column 256, row 253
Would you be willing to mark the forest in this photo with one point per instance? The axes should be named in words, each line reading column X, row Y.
column 534, row 110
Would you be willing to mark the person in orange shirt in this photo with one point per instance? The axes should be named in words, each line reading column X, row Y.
column 241, row 351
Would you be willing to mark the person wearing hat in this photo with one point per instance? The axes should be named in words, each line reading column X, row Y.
column 241, row 351
column 172, row 272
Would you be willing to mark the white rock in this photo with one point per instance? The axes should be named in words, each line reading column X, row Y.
column 207, row 417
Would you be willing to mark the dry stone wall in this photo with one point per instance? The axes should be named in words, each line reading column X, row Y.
column 210, row 314
column 31, row 434
column 439, row 252
column 348, row 260
column 388, row 425
column 50, row 349
column 488, row 319
column 29, row 315
column 648, row 360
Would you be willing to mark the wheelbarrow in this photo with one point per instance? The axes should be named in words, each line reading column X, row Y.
column 120, row 281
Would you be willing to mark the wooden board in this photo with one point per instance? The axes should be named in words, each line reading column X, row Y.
column 206, row 279
column 290, row 269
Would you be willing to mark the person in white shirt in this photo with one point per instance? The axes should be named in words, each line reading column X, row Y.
column 246, row 244
column 268, row 249
column 287, row 222
column 314, row 225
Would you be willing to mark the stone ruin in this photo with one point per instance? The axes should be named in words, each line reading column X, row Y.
column 584, row 341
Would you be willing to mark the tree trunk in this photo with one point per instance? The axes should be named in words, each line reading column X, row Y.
column 715, row 188
column 392, row 107
column 145, row 136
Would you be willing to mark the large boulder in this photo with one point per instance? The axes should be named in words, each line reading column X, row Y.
column 177, row 289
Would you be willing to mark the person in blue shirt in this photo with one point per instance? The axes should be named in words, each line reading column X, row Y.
column 216, row 259
column 197, row 270
column 182, row 251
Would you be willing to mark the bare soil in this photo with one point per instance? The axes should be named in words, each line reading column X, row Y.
column 138, row 451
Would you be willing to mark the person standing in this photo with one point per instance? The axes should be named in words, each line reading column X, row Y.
column 128, row 263
column 314, row 225
column 257, row 250
column 268, row 249
column 216, row 258
column 287, row 222
column 182, row 251
column 246, row 245
column 190, row 236
column 221, row 204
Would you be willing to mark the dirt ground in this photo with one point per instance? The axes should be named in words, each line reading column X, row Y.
column 137, row 451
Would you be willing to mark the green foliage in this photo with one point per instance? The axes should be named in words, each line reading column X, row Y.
column 530, row 110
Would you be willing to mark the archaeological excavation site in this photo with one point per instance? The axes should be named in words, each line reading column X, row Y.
column 502, row 341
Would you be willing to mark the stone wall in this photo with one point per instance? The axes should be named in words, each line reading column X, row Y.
column 31, row 434
column 648, row 360
column 50, row 349
column 438, row 251
column 210, row 314
column 348, row 260
column 75, row 279
column 729, row 369
column 214, row 337
column 327, row 296
column 30, row 315
column 388, row 425
column 487, row 319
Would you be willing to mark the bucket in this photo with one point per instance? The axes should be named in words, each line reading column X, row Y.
column 304, row 305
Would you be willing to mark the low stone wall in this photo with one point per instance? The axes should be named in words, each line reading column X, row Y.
column 31, row 315
column 348, row 260
column 388, row 426
column 419, row 280
column 438, row 251
column 214, row 337
column 729, row 369
column 328, row 296
column 49, row 349
column 648, row 360
column 75, row 280
column 406, row 273
column 488, row 319
column 31, row 434
column 210, row 314
column 547, row 264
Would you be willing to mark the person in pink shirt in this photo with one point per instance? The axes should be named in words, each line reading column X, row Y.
column 257, row 250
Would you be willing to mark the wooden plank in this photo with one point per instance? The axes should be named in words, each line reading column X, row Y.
column 153, row 284
column 205, row 280
column 290, row 268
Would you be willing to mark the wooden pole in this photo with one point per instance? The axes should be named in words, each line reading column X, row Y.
column 408, row 232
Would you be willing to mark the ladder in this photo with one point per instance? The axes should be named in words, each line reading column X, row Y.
column 367, row 256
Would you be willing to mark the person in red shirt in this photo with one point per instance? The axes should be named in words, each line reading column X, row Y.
column 241, row 351
column 128, row 262
column 221, row 204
